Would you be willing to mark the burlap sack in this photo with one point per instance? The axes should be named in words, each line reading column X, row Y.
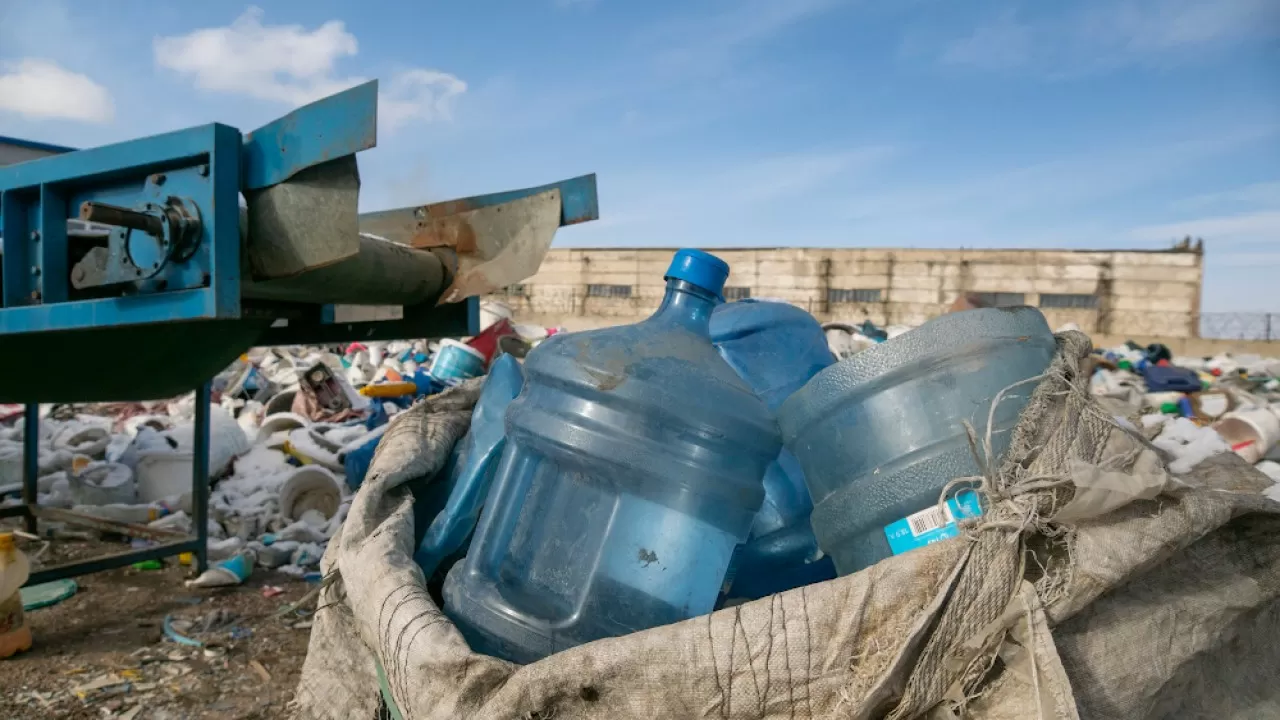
column 1096, row 586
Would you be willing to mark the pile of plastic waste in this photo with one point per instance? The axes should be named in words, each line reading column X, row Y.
column 1193, row 408
column 292, row 432
column 570, row 510
column 722, row 452
column 635, row 476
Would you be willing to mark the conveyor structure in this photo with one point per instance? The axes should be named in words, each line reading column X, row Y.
column 141, row 269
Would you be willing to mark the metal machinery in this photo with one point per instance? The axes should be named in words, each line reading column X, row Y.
column 140, row 270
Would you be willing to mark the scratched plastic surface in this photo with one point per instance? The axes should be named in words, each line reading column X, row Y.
column 632, row 470
column 881, row 433
column 775, row 348
column 458, row 500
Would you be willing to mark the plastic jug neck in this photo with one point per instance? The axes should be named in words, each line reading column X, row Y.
column 687, row 305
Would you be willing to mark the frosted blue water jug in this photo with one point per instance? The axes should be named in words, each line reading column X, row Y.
column 880, row 434
column 471, row 469
column 775, row 348
column 632, row 470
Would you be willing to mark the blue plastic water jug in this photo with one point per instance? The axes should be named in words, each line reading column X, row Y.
column 880, row 434
column 632, row 470
column 472, row 468
column 775, row 348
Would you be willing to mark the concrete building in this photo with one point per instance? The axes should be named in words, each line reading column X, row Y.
column 1127, row 293
column 13, row 150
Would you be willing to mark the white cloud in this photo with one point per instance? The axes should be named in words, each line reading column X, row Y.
column 287, row 63
column 1264, row 194
column 293, row 65
column 1003, row 44
column 1104, row 34
column 709, row 46
column 1244, row 227
column 1243, row 259
column 652, row 198
column 425, row 95
column 42, row 89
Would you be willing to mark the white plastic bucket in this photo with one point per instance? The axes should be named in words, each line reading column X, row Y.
column 88, row 440
column 455, row 362
column 103, row 484
column 163, row 474
column 492, row 312
column 279, row 422
column 1251, row 432
column 310, row 487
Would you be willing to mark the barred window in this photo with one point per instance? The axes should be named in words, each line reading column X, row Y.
column 1001, row 299
column 609, row 291
column 842, row 295
column 736, row 293
column 1068, row 300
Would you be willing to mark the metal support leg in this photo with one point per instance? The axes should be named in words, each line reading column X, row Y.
column 30, row 462
column 200, row 476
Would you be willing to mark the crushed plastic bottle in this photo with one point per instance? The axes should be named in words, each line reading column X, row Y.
column 15, row 634
column 633, row 468
column 775, row 348
column 880, row 434
column 457, row 500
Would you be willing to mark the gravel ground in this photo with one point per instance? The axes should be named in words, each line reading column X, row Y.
column 103, row 654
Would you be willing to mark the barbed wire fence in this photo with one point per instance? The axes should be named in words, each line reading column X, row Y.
column 1240, row 325
column 1263, row 326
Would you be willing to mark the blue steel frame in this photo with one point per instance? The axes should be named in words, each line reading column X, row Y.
column 197, row 545
column 210, row 165
column 38, row 197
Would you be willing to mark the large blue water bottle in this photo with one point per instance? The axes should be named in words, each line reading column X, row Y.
column 632, row 470
column 465, row 484
column 775, row 347
column 882, row 433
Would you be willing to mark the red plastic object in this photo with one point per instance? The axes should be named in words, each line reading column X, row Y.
column 1216, row 372
column 487, row 341
column 1163, row 363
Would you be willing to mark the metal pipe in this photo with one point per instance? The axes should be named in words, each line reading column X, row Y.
column 122, row 217
column 71, row 517
column 381, row 273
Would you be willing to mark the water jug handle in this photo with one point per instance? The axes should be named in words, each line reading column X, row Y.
column 450, row 527
column 498, row 521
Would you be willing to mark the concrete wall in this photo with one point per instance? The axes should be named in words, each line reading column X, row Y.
column 1134, row 293
column 13, row 153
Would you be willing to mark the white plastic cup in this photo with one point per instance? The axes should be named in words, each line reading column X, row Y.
column 1251, row 432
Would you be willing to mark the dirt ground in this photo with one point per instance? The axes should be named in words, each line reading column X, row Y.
column 103, row 653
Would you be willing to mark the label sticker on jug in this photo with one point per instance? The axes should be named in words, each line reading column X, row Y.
column 934, row 523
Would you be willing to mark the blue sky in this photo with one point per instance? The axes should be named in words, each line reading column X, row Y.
column 1091, row 124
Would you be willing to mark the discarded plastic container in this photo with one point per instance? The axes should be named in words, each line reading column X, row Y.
column 1251, row 432
column 101, row 483
column 632, row 470
column 15, row 634
column 455, row 362
column 1167, row 378
column 880, row 434
column 310, row 487
column 775, row 347
column 457, row 497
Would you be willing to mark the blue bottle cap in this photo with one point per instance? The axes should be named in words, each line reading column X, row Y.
column 699, row 268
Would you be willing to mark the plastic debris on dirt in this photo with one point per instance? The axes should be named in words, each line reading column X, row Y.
column 292, row 431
